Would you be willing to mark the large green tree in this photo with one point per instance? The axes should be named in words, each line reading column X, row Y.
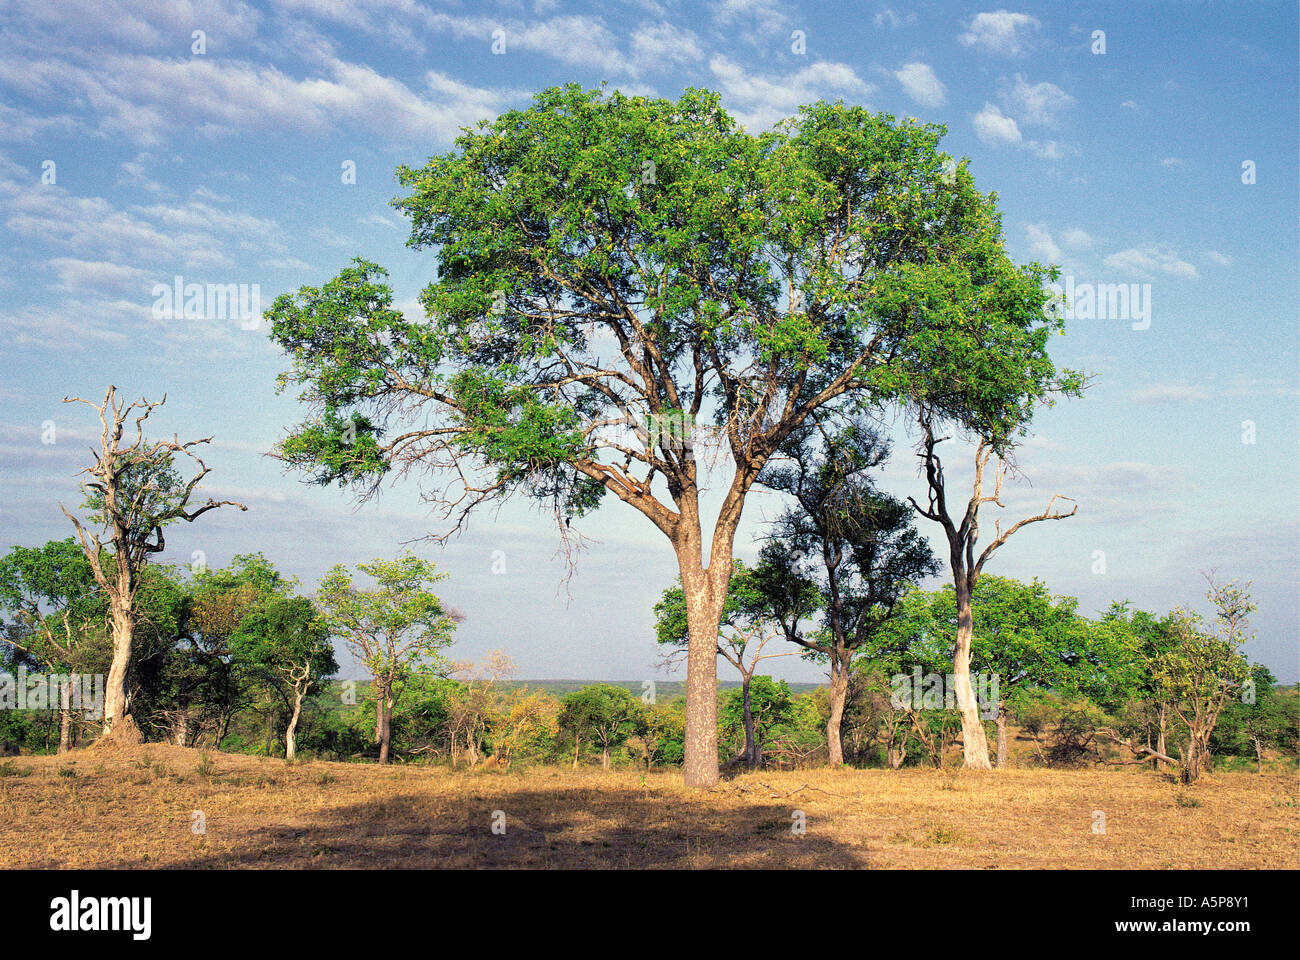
column 622, row 279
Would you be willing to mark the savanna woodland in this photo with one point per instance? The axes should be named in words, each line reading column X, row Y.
column 637, row 299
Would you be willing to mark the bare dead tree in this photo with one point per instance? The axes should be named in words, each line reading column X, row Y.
column 967, row 566
column 132, row 493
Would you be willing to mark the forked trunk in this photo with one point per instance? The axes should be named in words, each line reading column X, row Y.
column 975, row 747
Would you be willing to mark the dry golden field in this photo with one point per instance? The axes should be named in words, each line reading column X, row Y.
column 141, row 807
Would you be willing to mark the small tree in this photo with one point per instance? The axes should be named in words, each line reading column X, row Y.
column 132, row 493
column 600, row 713
column 286, row 645
column 58, row 613
column 1203, row 668
column 394, row 627
column 473, row 708
column 766, row 706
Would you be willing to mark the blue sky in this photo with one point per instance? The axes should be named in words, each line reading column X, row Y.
column 226, row 166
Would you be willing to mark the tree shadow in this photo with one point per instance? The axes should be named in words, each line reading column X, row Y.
column 557, row 829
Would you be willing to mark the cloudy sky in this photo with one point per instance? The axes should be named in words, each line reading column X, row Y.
column 213, row 140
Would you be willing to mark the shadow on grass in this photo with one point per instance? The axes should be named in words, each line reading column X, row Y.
column 562, row 828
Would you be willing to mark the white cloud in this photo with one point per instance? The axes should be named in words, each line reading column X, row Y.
column 1041, row 244
column 1218, row 258
column 1035, row 104
column 993, row 127
column 766, row 15
column 98, row 276
column 1001, row 32
column 761, row 101
column 147, row 99
column 1162, row 394
column 1149, row 260
column 921, row 84
column 661, row 44
column 889, row 18
column 1079, row 239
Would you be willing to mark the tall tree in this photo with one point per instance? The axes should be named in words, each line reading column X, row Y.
column 995, row 443
column 132, row 493
column 853, row 545
column 392, row 628
column 621, row 279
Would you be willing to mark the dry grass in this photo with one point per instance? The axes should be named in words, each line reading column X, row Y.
column 136, row 808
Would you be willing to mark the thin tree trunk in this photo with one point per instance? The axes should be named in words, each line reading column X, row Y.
column 975, row 747
column 604, row 756
column 182, row 730
column 1002, row 733
column 1160, row 739
column 753, row 758
column 385, row 729
column 290, row 733
column 1259, row 757
column 65, row 715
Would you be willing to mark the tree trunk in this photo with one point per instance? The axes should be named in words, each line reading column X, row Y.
column 1259, row 756
column 577, row 745
column 65, row 715
column 182, row 729
column 604, row 756
column 1002, row 733
column 700, row 765
column 975, row 747
column 839, row 693
column 1160, row 739
column 753, row 758
column 385, row 728
column 290, row 733
column 115, row 690
column 1192, row 760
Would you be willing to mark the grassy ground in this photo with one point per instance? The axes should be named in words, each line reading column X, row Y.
column 141, row 807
